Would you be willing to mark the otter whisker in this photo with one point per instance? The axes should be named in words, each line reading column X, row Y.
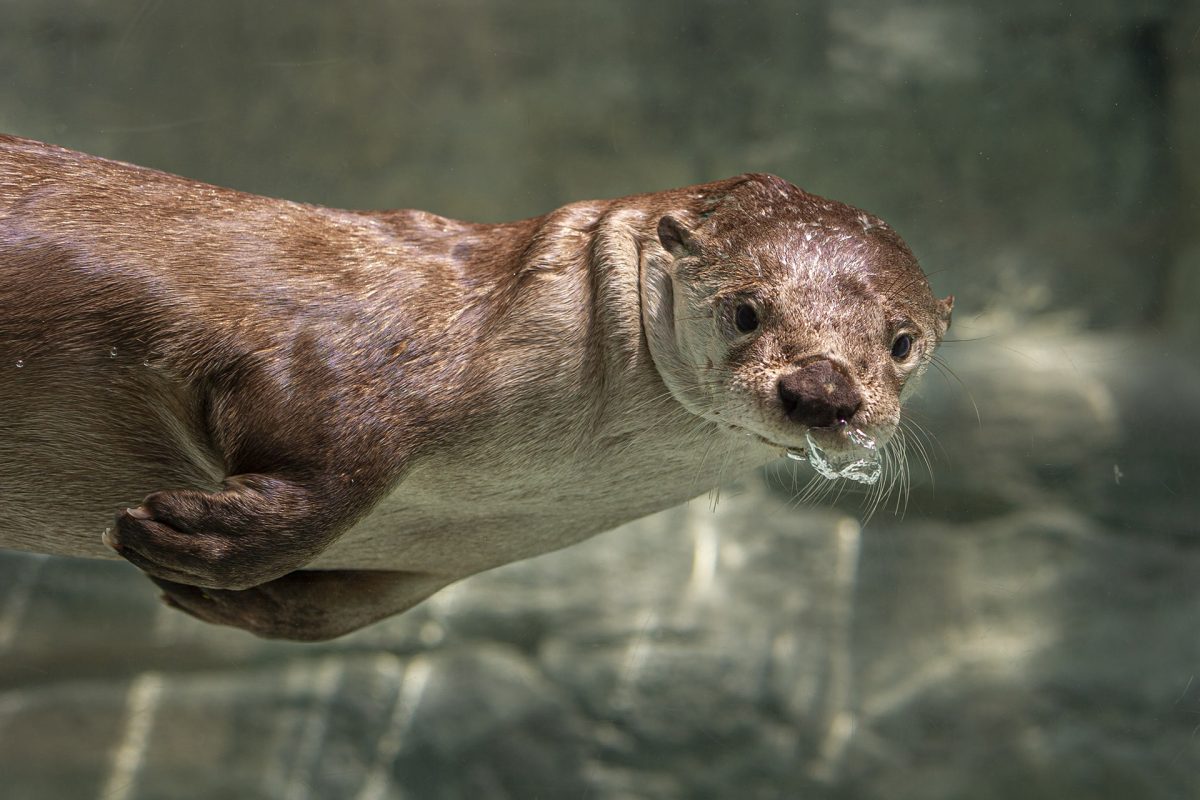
column 918, row 433
column 909, row 419
column 905, row 470
column 815, row 485
column 699, row 474
column 878, row 494
column 945, row 369
column 896, row 459
column 716, row 491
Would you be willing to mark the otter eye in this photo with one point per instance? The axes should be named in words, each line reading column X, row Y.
column 902, row 346
column 745, row 318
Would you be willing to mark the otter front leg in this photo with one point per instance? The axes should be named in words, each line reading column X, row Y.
column 258, row 528
column 310, row 439
column 307, row 605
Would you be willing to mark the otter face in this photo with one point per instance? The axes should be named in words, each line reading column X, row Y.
column 788, row 317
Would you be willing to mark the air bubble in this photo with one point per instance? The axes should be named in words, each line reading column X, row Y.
column 861, row 439
column 20, row 363
column 112, row 352
column 861, row 465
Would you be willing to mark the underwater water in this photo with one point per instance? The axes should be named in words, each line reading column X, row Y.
column 1018, row 617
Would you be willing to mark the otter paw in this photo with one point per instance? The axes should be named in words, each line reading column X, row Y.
column 261, row 610
column 178, row 537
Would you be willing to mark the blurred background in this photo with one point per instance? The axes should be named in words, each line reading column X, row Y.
column 1026, row 623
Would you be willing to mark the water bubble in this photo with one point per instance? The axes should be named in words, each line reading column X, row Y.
column 861, row 439
column 861, row 465
column 112, row 352
column 20, row 363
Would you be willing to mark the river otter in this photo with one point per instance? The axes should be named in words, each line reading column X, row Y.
column 299, row 420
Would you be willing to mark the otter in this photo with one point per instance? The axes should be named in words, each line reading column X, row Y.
column 299, row 420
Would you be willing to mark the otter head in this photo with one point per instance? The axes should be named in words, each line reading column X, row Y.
column 789, row 317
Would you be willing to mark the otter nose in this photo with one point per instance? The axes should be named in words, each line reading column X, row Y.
column 818, row 395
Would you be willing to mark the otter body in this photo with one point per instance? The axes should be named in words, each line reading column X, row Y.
column 298, row 420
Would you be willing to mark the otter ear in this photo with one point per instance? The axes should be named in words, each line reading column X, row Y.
column 676, row 239
column 945, row 306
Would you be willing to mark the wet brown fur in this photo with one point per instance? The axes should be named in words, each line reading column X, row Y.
column 393, row 400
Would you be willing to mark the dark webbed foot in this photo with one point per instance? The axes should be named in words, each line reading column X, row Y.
column 306, row 605
column 256, row 529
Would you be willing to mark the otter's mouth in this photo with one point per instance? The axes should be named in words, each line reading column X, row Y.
column 858, row 463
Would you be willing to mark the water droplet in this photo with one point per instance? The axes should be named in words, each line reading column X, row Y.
column 145, row 362
column 112, row 352
column 20, row 363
